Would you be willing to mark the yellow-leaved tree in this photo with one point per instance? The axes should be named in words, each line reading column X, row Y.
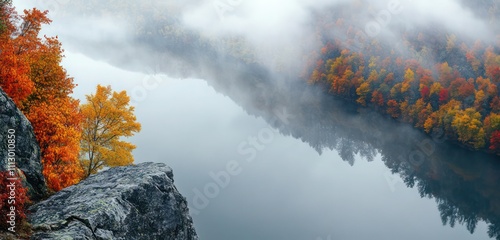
column 107, row 118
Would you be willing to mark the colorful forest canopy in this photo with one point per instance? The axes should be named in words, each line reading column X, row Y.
column 434, row 80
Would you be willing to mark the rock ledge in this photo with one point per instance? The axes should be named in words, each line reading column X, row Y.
column 132, row 202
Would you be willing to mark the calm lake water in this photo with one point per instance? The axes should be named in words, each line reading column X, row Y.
column 267, row 163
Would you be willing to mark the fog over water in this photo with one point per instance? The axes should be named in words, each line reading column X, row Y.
column 277, row 34
column 299, row 165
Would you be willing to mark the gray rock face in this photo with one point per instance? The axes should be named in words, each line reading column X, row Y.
column 132, row 202
column 27, row 150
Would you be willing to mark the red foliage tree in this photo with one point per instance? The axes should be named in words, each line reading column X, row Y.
column 466, row 89
column 494, row 73
column 495, row 104
column 444, row 95
column 425, row 92
column 378, row 98
column 495, row 141
column 393, row 108
column 13, row 200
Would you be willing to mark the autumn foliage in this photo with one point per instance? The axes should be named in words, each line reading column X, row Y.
column 58, row 129
column 54, row 115
column 7, row 201
column 441, row 83
column 14, row 69
column 32, row 75
column 107, row 118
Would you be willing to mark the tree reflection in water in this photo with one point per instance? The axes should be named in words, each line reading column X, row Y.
column 465, row 184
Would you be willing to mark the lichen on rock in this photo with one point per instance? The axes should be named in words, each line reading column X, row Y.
column 132, row 202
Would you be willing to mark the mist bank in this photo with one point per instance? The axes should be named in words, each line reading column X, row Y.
column 183, row 38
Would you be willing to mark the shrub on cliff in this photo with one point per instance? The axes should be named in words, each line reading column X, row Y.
column 13, row 203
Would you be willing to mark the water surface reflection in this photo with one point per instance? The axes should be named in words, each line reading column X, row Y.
column 464, row 184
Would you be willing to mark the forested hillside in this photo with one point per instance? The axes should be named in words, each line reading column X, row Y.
column 433, row 78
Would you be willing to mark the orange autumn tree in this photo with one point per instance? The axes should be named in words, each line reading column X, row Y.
column 33, row 76
column 14, row 68
column 107, row 118
column 53, row 113
column 58, row 129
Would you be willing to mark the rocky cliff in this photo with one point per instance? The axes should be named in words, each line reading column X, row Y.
column 27, row 151
column 133, row 202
